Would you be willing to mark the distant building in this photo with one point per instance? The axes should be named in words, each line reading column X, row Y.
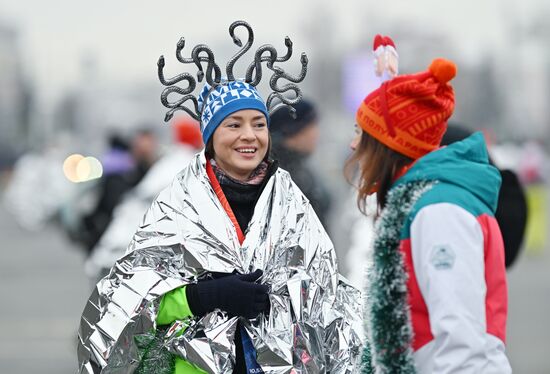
column 15, row 97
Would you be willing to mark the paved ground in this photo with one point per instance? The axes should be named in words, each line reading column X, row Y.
column 529, row 314
column 43, row 290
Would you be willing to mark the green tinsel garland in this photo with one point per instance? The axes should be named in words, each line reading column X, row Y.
column 389, row 330
column 155, row 358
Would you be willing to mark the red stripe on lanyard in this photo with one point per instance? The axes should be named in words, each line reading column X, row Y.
column 223, row 200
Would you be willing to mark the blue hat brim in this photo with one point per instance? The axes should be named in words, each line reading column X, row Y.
column 230, row 108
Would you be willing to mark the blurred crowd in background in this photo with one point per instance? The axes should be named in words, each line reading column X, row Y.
column 84, row 150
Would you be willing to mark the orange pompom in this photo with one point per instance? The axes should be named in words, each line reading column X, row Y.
column 443, row 70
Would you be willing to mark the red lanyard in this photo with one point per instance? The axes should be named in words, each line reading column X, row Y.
column 223, row 200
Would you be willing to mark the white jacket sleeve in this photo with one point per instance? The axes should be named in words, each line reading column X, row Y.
column 448, row 256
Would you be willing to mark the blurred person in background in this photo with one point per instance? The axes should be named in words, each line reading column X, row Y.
column 229, row 259
column 128, row 213
column 117, row 160
column 37, row 188
column 124, row 168
column 145, row 152
column 533, row 171
column 294, row 141
column 511, row 213
column 436, row 295
column 8, row 157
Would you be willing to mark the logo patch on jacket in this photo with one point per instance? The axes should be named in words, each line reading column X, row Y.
column 442, row 257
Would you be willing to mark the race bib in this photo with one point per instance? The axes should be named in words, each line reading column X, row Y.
column 252, row 366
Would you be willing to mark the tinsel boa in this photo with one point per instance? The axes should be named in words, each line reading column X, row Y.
column 388, row 322
column 155, row 357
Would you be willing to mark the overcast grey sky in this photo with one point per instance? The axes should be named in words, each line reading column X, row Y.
column 127, row 36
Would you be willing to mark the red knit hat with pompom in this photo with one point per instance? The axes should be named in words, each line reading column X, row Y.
column 409, row 113
column 187, row 131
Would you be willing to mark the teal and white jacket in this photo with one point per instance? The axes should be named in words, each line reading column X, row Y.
column 452, row 255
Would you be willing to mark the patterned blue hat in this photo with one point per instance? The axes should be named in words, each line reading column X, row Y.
column 227, row 98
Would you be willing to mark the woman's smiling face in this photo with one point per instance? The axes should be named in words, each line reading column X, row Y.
column 240, row 143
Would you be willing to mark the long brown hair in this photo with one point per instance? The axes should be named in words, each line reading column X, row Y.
column 377, row 166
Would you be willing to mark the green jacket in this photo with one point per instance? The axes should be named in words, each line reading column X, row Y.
column 174, row 306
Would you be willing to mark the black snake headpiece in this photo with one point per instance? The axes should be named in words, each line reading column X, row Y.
column 201, row 53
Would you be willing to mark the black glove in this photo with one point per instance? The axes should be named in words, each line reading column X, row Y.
column 236, row 294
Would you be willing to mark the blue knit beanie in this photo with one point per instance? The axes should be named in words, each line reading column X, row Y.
column 217, row 103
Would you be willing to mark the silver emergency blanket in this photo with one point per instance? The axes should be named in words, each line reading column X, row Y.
column 315, row 322
column 127, row 215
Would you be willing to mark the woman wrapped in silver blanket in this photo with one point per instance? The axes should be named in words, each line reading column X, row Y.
column 230, row 270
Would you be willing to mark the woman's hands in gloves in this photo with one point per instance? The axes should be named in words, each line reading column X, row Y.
column 236, row 294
